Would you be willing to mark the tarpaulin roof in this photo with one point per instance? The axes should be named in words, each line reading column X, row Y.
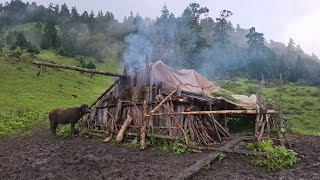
column 190, row 80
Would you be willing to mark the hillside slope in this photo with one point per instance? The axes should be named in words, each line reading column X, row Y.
column 26, row 98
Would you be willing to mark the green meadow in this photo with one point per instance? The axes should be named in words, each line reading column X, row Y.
column 26, row 99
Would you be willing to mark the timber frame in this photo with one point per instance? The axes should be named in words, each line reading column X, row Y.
column 137, row 107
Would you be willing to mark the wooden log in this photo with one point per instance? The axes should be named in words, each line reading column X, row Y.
column 155, row 136
column 216, row 112
column 193, row 169
column 94, row 133
column 143, row 126
column 158, row 127
column 105, row 92
column 123, row 128
column 236, row 151
column 92, row 71
column 162, row 102
column 220, row 127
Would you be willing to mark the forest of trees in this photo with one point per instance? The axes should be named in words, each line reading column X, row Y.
column 213, row 46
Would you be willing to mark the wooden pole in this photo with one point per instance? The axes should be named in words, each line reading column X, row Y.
column 105, row 92
column 256, row 128
column 144, row 126
column 262, row 127
column 215, row 126
column 92, row 71
column 123, row 128
column 220, row 126
column 178, row 124
column 214, row 112
column 161, row 103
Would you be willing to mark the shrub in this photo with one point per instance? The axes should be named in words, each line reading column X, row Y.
column 307, row 103
column 278, row 157
column 33, row 50
column 252, row 90
column 64, row 131
column 90, row 65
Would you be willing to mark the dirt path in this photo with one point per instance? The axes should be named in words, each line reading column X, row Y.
column 41, row 157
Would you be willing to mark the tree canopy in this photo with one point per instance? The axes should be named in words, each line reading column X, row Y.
column 212, row 46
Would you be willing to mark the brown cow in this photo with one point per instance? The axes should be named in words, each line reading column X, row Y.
column 66, row 116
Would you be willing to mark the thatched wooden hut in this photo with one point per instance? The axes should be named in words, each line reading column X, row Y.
column 159, row 101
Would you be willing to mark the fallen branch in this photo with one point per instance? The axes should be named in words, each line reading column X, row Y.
column 92, row 71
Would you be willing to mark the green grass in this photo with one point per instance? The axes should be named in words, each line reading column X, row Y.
column 278, row 157
column 295, row 98
column 26, row 99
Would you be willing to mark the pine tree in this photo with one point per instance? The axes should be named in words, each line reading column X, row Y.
column 51, row 39
column 21, row 41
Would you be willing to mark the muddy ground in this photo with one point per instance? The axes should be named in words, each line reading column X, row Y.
column 239, row 167
column 41, row 157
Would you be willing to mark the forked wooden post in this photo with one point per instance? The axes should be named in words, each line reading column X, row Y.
column 144, row 126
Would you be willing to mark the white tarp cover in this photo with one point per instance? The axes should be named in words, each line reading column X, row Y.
column 192, row 82
column 190, row 79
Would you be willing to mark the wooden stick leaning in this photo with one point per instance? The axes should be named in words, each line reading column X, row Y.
column 123, row 128
column 162, row 102
column 105, row 92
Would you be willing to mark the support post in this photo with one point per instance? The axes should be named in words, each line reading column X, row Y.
column 143, row 126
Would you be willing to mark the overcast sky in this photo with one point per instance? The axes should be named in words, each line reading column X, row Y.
column 277, row 19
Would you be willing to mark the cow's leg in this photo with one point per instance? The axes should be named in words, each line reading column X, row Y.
column 72, row 130
column 53, row 128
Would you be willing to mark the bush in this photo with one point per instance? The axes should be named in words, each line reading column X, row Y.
column 90, row 65
column 64, row 131
column 33, row 50
column 307, row 104
column 252, row 90
column 278, row 157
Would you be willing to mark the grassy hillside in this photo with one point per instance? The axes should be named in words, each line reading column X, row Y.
column 296, row 98
column 26, row 99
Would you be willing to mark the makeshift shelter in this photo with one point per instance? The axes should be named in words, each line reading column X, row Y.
column 161, row 102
